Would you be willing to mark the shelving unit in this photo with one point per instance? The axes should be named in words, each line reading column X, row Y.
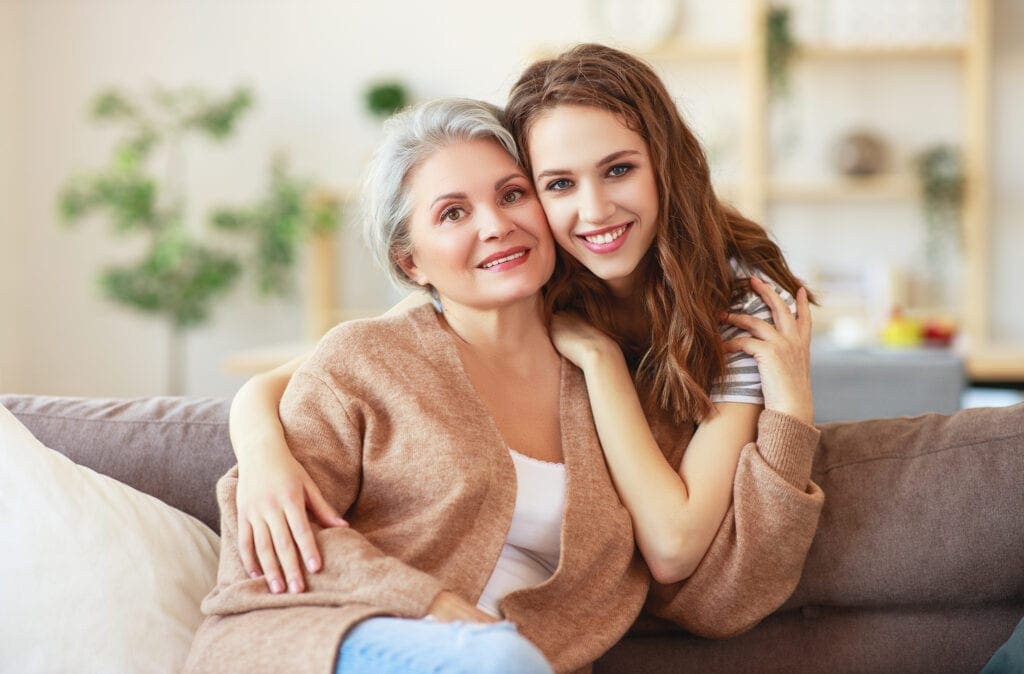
column 758, row 190
column 755, row 190
column 892, row 187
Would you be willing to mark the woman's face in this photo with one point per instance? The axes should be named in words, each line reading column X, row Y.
column 595, row 179
column 478, row 231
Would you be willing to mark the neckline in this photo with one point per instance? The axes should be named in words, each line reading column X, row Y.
column 427, row 326
column 552, row 464
column 444, row 340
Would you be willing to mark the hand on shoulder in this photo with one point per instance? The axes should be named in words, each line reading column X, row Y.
column 782, row 351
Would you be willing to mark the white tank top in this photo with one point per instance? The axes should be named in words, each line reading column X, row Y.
column 531, row 551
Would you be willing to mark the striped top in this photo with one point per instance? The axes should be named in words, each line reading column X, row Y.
column 742, row 382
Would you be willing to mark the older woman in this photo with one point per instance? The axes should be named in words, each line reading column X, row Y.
column 459, row 444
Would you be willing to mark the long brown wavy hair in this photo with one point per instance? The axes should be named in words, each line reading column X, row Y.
column 687, row 280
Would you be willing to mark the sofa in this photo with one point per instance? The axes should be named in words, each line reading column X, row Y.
column 918, row 565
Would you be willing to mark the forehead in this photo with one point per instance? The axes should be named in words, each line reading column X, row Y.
column 576, row 133
column 463, row 166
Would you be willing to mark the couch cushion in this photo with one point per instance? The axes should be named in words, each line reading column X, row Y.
column 172, row 448
column 98, row 577
column 924, row 510
column 907, row 640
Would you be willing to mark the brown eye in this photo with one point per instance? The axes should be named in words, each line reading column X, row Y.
column 452, row 214
column 512, row 196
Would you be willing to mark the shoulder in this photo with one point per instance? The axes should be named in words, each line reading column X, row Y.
column 372, row 342
column 750, row 302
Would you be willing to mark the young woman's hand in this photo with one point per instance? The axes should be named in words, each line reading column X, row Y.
column 449, row 607
column 782, row 351
column 579, row 341
column 272, row 499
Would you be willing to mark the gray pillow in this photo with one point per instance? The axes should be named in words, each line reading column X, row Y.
column 172, row 448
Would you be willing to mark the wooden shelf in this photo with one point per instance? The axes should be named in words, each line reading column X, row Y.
column 996, row 363
column 690, row 51
column 843, row 52
column 880, row 188
column 254, row 361
column 260, row 359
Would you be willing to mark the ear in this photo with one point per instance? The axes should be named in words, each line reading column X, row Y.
column 408, row 265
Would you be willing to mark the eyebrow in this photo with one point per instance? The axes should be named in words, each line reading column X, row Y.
column 510, row 176
column 606, row 160
column 462, row 195
column 449, row 195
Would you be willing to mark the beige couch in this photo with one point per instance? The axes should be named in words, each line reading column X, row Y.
column 918, row 565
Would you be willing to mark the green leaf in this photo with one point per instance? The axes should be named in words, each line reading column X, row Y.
column 180, row 280
column 218, row 118
column 232, row 219
column 781, row 46
column 111, row 104
column 384, row 99
column 74, row 201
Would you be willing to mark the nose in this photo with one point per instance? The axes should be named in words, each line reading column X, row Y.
column 594, row 206
column 495, row 224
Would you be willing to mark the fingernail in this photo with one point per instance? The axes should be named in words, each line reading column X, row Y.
column 254, row 575
column 311, row 564
column 275, row 586
column 293, row 587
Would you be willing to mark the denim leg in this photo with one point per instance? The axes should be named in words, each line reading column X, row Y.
column 1010, row 656
column 403, row 646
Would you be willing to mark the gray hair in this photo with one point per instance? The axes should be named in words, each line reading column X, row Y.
column 410, row 138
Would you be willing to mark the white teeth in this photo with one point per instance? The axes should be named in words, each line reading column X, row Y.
column 607, row 237
column 502, row 260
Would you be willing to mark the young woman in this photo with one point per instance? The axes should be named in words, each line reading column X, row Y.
column 457, row 442
column 652, row 260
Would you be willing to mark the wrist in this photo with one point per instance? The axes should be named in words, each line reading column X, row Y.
column 800, row 412
column 601, row 354
column 256, row 452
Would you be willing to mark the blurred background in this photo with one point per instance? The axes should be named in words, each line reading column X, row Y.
column 178, row 178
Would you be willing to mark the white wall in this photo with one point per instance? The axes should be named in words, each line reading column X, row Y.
column 11, row 198
column 308, row 62
column 1007, row 241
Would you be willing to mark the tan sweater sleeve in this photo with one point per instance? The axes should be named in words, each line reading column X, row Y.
column 757, row 556
column 324, row 440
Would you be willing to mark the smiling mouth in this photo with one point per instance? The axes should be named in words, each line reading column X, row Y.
column 502, row 260
column 605, row 236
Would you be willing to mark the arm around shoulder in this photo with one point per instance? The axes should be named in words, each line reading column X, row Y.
column 327, row 442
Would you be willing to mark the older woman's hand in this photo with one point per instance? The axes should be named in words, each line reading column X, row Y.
column 782, row 351
column 272, row 499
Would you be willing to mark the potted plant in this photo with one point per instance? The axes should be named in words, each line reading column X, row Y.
column 181, row 272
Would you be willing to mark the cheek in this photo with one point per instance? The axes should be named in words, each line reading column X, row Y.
column 443, row 254
column 560, row 219
column 651, row 198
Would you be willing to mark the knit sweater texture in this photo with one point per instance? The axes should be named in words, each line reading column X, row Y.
column 386, row 421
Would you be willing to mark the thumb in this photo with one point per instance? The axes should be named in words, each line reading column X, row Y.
column 325, row 514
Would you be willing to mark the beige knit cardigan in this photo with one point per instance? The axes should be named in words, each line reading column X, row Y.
column 387, row 423
column 752, row 567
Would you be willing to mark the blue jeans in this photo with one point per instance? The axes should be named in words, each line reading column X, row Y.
column 1010, row 656
column 404, row 646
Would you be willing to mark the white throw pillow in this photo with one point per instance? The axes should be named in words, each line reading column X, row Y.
column 95, row 576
